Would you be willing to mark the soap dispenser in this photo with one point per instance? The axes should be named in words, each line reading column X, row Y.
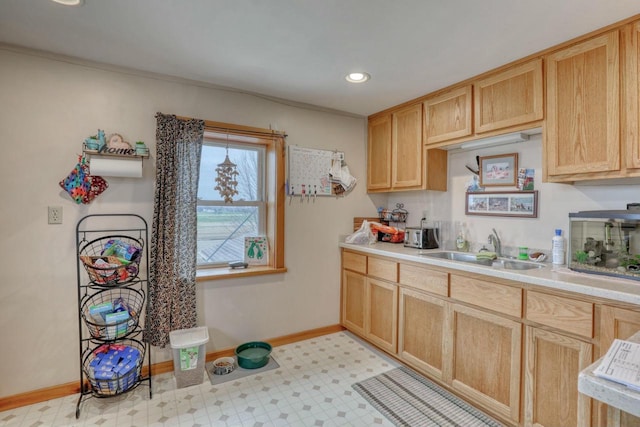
column 461, row 242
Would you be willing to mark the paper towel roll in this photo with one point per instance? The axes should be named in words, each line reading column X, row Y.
column 116, row 166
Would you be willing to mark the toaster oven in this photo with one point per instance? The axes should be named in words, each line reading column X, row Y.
column 421, row 238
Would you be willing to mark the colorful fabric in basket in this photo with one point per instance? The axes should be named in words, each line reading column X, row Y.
column 108, row 269
column 121, row 249
column 114, row 368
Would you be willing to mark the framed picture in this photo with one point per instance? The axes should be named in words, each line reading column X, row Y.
column 500, row 170
column 498, row 203
column 256, row 250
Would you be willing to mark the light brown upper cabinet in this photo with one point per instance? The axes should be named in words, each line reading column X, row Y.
column 509, row 98
column 583, row 109
column 631, row 90
column 448, row 116
column 396, row 160
column 406, row 147
column 379, row 153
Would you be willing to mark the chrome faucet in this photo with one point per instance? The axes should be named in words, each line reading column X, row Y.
column 495, row 241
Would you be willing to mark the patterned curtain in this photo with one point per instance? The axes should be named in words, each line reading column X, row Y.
column 172, row 264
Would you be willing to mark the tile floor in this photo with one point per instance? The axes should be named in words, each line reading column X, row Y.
column 312, row 387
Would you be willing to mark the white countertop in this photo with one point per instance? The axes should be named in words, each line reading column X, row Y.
column 613, row 394
column 554, row 277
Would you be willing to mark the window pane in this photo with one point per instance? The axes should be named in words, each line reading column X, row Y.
column 221, row 232
column 249, row 170
column 222, row 227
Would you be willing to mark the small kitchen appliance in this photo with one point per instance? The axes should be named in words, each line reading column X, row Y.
column 421, row 237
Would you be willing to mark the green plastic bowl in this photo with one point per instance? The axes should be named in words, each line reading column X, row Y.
column 253, row 355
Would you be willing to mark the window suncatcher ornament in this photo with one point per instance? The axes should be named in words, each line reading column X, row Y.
column 226, row 180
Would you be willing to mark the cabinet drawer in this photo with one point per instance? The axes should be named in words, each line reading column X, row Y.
column 500, row 298
column 382, row 269
column 424, row 279
column 559, row 312
column 354, row 262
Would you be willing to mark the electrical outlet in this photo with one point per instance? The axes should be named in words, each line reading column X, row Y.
column 55, row 215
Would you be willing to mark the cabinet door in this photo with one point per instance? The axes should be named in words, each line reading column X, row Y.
column 486, row 360
column 353, row 301
column 552, row 364
column 379, row 153
column 617, row 323
column 583, row 96
column 448, row 116
column 381, row 324
column 406, row 144
column 421, row 326
column 631, row 89
column 509, row 98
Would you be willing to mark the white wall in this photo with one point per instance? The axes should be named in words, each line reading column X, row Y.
column 49, row 106
column 555, row 201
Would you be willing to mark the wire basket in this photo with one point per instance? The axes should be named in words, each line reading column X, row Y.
column 113, row 368
column 396, row 215
column 111, row 260
column 95, row 309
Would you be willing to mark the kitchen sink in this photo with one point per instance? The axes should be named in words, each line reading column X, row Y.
column 504, row 263
column 458, row 256
column 508, row 264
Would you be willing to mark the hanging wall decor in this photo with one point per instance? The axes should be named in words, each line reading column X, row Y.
column 81, row 185
column 227, row 179
column 500, row 203
column 78, row 182
column 499, row 170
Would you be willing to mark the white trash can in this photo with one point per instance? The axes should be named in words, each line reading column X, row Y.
column 189, row 355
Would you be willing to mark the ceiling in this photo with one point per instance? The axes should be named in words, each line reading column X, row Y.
column 300, row 50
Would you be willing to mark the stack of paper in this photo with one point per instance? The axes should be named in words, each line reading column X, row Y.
column 621, row 364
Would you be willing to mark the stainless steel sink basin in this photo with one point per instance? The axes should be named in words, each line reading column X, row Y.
column 458, row 256
column 505, row 263
column 516, row 265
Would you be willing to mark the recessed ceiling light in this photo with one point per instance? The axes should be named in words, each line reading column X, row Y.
column 70, row 2
column 359, row 77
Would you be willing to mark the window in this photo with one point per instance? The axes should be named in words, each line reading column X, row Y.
column 223, row 226
column 257, row 209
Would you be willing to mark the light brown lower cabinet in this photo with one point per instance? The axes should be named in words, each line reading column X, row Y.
column 616, row 323
column 552, row 364
column 486, row 359
column 422, row 322
column 472, row 334
column 354, row 288
column 381, row 311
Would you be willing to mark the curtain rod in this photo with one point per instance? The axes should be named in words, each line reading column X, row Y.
column 246, row 130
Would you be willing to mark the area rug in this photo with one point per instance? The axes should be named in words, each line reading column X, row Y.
column 408, row 399
column 238, row 372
